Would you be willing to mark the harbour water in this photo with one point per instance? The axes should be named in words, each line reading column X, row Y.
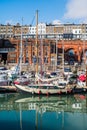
column 26, row 112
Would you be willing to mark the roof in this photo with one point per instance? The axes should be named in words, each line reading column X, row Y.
column 5, row 43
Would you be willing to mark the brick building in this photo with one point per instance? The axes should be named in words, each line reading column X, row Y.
column 49, row 51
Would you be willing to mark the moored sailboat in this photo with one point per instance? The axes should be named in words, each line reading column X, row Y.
column 42, row 85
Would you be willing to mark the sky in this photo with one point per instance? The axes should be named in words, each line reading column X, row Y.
column 49, row 11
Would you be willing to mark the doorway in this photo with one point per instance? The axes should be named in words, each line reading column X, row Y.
column 3, row 57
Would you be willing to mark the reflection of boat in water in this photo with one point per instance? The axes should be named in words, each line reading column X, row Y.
column 43, row 112
column 39, row 105
column 55, row 102
column 43, row 100
column 59, row 103
column 48, row 106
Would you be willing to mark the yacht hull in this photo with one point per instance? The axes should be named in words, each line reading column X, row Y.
column 42, row 89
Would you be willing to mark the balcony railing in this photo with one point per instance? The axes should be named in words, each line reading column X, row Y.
column 6, row 49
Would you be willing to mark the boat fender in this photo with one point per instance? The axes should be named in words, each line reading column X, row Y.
column 15, row 89
column 47, row 93
column 69, row 90
column 39, row 92
column 66, row 91
column 84, row 89
column 59, row 92
column 32, row 92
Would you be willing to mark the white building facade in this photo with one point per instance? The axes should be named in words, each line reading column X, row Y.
column 41, row 29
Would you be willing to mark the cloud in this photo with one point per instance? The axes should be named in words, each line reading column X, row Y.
column 56, row 22
column 76, row 9
column 11, row 22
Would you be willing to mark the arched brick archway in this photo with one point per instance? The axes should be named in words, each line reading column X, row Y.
column 69, row 56
column 84, row 55
column 77, row 45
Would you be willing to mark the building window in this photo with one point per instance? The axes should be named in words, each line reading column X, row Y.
column 33, row 53
column 75, row 31
column 12, row 61
column 45, row 60
column 13, row 55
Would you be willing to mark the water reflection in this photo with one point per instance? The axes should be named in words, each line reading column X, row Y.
column 24, row 112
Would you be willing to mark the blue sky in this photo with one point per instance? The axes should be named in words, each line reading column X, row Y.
column 73, row 11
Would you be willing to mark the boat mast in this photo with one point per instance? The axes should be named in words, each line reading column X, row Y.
column 36, row 41
column 41, row 48
column 56, row 51
column 63, row 55
column 21, row 49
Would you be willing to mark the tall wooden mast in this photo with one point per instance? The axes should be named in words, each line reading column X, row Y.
column 21, row 51
column 36, row 41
